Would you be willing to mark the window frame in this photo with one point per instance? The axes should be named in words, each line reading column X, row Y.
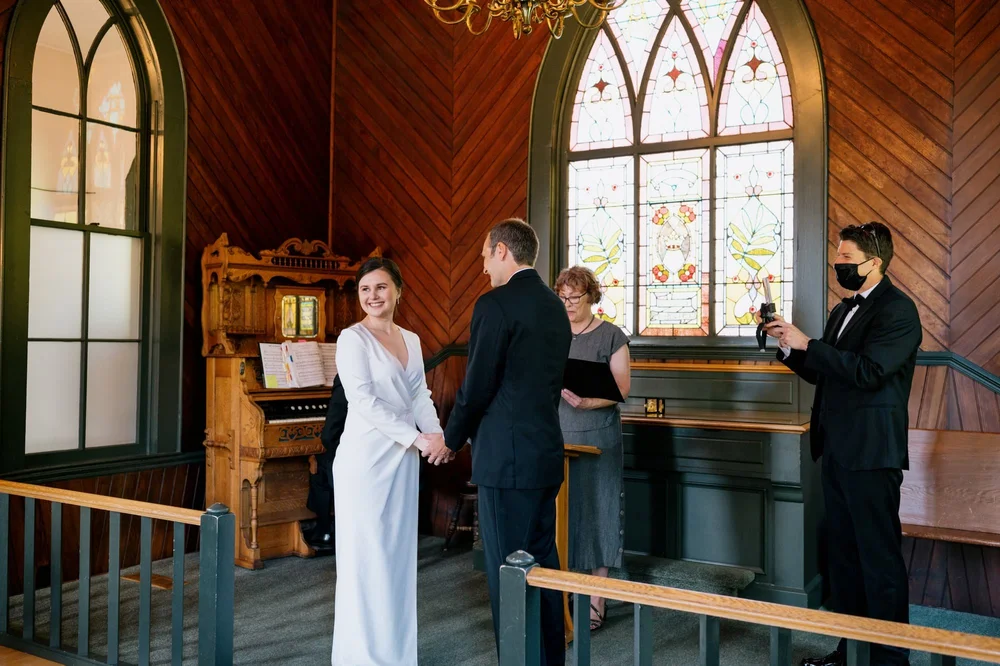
column 548, row 169
column 161, row 203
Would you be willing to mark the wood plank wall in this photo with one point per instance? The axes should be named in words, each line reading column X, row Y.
column 975, row 256
column 896, row 74
column 258, row 86
column 181, row 485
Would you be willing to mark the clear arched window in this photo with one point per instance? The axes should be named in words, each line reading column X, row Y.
column 87, row 234
column 92, row 227
column 680, row 168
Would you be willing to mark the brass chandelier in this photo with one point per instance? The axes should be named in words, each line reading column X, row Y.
column 478, row 14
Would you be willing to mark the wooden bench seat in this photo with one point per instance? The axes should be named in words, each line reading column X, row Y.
column 952, row 490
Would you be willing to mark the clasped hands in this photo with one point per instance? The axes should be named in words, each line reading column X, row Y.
column 787, row 335
column 432, row 447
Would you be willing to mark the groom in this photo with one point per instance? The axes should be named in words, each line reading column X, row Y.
column 508, row 405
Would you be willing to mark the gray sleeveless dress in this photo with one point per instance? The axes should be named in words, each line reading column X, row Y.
column 596, row 497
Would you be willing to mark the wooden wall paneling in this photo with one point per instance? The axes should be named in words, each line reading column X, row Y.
column 492, row 113
column 975, row 308
column 440, row 485
column 889, row 80
column 180, row 486
column 258, row 158
column 393, row 151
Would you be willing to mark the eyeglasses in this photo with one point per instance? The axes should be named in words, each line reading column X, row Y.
column 572, row 300
column 870, row 230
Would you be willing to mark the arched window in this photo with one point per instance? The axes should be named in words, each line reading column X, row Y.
column 675, row 157
column 93, row 226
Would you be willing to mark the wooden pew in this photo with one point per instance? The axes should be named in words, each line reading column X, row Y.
column 952, row 490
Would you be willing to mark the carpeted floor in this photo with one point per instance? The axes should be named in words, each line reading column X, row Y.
column 284, row 615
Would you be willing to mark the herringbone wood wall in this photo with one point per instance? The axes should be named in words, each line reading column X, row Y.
column 896, row 73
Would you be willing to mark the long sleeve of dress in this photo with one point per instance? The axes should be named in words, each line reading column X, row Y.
column 355, row 373
column 424, row 412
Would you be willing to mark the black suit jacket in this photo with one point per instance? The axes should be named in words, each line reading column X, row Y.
column 863, row 379
column 336, row 417
column 509, row 401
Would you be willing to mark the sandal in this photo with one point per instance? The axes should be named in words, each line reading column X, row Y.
column 598, row 622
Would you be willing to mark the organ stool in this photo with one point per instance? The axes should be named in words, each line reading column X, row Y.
column 468, row 499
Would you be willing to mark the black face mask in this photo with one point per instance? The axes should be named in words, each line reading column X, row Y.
column 848, row 277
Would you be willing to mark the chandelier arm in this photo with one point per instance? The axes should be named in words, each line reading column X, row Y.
column 468, row 21
column 605, row 5
column 438, row 7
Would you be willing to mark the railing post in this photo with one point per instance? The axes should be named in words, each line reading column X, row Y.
column 215, row 588
column 581, row 637
column 858, row 653
column 520, row 613
column 708, row 640
column 4, row 561
column 781, row 642
column 942, row 660
column 642, row 637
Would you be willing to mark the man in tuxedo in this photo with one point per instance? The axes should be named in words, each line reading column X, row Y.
column 320, row 496
column 508, row 404
column 862, row 368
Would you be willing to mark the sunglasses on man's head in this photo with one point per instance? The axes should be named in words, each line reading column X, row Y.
column 870, row 230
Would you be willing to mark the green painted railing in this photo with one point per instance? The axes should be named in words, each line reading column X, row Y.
column 521, row 581
column 216, row 577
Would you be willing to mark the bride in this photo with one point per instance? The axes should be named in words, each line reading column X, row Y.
column 390, row 420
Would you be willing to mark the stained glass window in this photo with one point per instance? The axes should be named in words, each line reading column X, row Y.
column 634, row 28
column 753, row 232
column 684, row 226
column 755, row 95
column 601, row 212
column 674, row 240
column 676, row 105
column 712, row 22
column 602, row 115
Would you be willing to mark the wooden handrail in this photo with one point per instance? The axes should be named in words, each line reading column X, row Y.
column 102, row 503
column 581, row 448
column 704, row 366
column 924, row 639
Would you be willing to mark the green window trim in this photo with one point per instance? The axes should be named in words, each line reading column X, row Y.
column 552, row 106
column 164, row 133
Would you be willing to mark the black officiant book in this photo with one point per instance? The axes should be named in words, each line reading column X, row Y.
column 590, row 379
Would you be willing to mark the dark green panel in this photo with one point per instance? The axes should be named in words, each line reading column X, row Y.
column 717, row 390
column 646, row 514
column 723, row 525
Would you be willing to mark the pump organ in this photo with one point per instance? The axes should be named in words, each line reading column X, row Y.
column 259, row 441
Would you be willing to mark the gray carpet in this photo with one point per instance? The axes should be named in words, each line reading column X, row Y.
column 284, row 615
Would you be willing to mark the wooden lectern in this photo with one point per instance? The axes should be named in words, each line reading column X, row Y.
column 562, row 522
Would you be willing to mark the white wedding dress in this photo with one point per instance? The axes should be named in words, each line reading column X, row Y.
column 375, row 483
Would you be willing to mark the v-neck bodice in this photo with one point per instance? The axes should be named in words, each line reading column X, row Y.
column 388, row 352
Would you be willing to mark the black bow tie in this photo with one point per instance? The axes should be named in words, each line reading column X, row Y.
column 857, row 299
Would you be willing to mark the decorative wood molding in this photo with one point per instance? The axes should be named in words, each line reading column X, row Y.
column 705, row 366
column 791, row 422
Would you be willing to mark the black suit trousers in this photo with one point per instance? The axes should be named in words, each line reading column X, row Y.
column 864, row 549
column 512, row 519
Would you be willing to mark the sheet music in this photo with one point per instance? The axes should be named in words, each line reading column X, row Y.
column 328, row 351
column 273, row 364
column 304, row 363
